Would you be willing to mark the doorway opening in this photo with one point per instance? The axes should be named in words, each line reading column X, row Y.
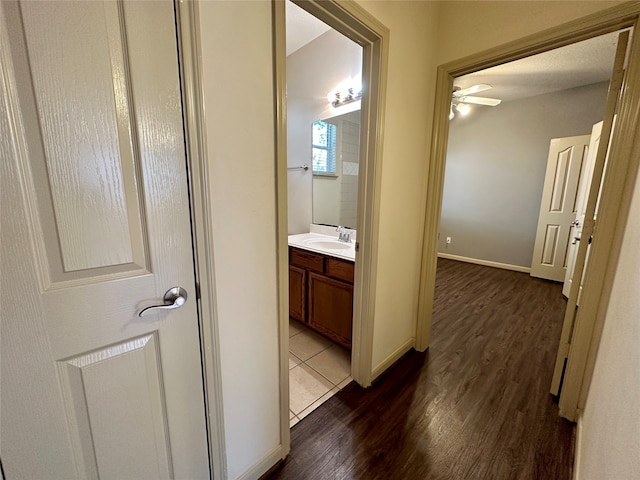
column 437, row 176
column 324, row 90
column 517, row 173
column 332, row 273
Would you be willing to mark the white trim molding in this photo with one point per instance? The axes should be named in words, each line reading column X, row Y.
column 263, row 465
column 282, row 217
column 393, row 358
column 577, row 460
column 486, row 263
column 195, row 138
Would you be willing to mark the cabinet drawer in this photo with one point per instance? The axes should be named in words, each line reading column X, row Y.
column 339, row 269
column 308, row 260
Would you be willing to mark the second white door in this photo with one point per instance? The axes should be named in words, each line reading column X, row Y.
column 558, row 206
column 581, row 207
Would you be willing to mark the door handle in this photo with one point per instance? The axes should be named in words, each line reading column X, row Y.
column 575, row 240
column 174, row 298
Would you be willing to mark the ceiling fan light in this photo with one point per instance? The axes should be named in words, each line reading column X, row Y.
column 463, row 109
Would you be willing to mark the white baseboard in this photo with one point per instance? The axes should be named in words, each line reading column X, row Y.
column 393, row 358
column 263, row 465
column 578, row 449
column 486, row 263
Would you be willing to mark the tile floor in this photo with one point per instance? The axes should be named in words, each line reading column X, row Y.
column 317, row 370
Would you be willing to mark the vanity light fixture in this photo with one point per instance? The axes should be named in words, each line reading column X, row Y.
column 345, row 96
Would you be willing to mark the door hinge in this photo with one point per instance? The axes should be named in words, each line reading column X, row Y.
column 198, row 291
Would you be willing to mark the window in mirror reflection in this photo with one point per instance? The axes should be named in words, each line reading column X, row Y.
column 323, row 148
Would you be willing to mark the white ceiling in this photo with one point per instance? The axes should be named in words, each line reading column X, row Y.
column 302, row 27
column 576, row 65
column 572, row 66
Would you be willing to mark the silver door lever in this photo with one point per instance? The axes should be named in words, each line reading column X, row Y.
column 174, row 298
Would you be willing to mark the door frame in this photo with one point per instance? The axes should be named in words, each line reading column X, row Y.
column 616, row 191
column 357, row 24
column 189, row 55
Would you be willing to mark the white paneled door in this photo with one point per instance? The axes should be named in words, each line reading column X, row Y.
column 558, row 206
column 95, row 227
column 581, row 208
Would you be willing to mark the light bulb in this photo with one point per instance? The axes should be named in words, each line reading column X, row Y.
column 463, row 109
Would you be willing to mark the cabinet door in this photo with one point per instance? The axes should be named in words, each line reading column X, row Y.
column 297, row 293
column 331, row 308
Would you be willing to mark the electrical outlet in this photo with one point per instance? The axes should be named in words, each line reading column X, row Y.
column 448, row 240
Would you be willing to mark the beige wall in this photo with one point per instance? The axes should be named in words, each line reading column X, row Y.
column 407, row 131
column 609, row 439
column 238, row 87
column 469, row 27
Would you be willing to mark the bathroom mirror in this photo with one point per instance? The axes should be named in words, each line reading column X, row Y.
column 335, row 159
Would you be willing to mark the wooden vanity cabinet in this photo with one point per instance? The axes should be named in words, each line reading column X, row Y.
column 321, row 294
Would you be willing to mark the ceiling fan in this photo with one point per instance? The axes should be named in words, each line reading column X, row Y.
column 461, row 99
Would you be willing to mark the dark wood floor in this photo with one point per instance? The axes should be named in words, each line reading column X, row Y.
column 474, row 406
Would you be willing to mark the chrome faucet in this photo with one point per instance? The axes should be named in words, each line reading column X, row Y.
column 344, row 234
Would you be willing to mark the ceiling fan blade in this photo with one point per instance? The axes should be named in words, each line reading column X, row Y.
column 491, row 102
column 481, row 87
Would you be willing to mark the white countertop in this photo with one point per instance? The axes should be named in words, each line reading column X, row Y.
column 302, row 241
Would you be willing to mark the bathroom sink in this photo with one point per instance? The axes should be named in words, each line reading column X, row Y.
column 327, row 243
